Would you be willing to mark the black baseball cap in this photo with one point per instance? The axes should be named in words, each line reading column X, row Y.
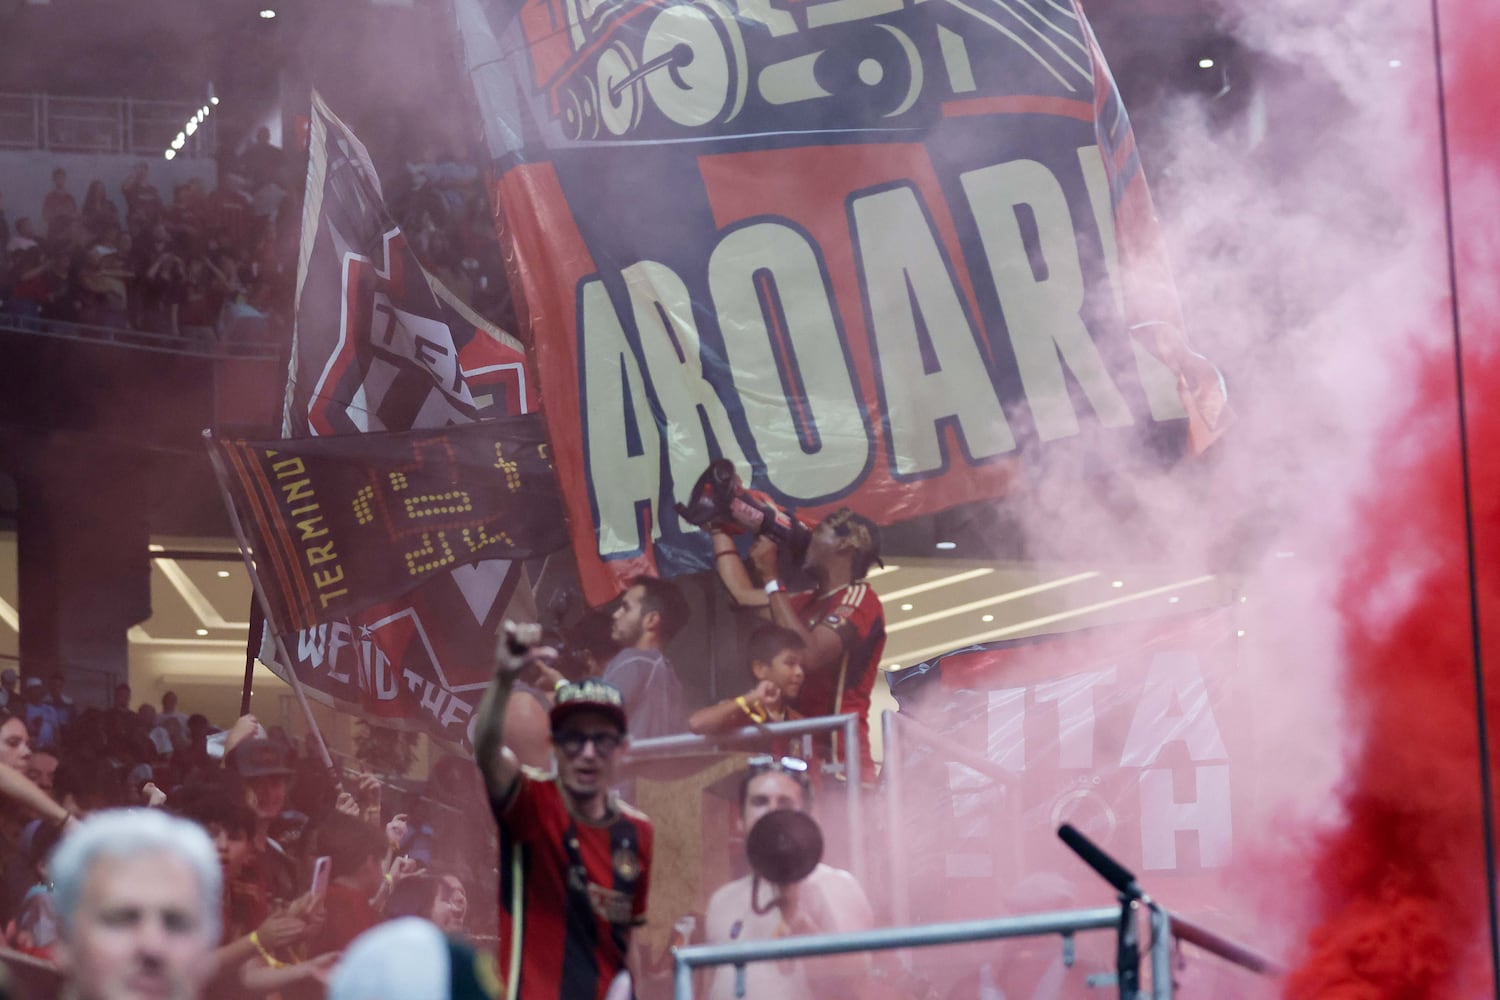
column 589, row 695
column 259, row 757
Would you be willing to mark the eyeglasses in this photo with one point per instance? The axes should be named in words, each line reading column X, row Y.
column 572, row 742
column 795, row 767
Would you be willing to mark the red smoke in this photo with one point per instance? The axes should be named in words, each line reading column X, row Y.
column 1402, row 900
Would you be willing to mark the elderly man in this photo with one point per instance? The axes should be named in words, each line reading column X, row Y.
column 575, row 861
column 137, row 896
column 828, row 900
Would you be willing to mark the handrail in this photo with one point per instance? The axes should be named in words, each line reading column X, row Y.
column 1165, row 923
column 1223, row 947
column 139, row 340
column 101, row 125
column 666, row 747
column 1065, row 922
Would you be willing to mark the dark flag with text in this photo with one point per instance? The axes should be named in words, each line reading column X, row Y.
column 337, row 524
column 380, row 345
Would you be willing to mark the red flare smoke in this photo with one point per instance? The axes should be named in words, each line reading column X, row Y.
column 1402, row 899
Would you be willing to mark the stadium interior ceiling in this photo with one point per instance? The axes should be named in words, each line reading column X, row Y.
column 948, row 581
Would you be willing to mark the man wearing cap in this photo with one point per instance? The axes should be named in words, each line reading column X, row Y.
column 260, row 767
column 841, row 622
column 828, row 900
column 575, row 861
column 41, row 718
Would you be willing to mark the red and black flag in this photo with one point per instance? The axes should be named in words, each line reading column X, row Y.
column 337, row 524
column 380, row 345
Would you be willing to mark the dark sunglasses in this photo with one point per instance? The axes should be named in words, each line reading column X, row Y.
column 796, row 767
column 572, row 742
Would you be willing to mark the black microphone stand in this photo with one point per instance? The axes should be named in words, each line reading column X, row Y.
column 1128, row 940
column 1128, row 951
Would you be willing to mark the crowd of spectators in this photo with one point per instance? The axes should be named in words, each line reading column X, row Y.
column 205, row 264
column 220, row 265
column 272, row 811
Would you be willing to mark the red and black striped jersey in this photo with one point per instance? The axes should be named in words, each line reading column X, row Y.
column 855, row 613
column 570, row 891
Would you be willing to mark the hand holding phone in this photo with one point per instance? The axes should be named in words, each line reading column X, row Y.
column 322, row 872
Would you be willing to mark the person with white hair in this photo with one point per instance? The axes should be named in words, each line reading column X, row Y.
column 410, row 958
column 137, row 898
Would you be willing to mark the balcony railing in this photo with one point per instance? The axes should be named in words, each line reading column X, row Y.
column 101, row 125
column 142, row 340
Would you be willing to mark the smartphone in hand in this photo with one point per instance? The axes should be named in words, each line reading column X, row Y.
column 322, row 871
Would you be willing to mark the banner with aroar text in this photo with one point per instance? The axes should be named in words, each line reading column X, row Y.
column 879, row 253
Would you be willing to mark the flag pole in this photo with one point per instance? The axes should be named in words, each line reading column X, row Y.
column 222, row 475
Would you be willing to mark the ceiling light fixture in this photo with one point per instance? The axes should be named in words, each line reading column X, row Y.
column 223, row 574
column 942, row 581
column 988, row 602
column 1205, row 63
column 201, row 631
column 906, row 607
column 946, row 546
column 986, row 618
column 1117, row 584
column 958, row 642
column 267, row 13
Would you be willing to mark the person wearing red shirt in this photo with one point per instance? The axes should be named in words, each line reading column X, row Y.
column 575, row 861
column 841, row 621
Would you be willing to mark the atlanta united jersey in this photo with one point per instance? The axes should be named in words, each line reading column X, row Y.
column 854, row 612
column 570, row 891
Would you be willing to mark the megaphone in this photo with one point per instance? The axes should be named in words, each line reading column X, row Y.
column 784, row 846
column 719, row 499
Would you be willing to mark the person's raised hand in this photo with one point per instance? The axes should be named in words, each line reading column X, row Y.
column 244, row 727
column 395, row 831
column 763, row 558
column 767, row 694
column 281, row 928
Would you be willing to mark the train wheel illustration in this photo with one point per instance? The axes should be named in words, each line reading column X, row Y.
column 620, row 89
column 693, row 61
column 580, row 109
column 879, row 71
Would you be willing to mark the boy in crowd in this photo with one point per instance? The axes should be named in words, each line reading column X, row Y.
column 776, row 664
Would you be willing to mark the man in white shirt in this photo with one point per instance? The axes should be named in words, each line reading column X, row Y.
column 827, row 901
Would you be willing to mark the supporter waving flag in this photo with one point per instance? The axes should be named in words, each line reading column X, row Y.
column 380, row 345
column 870, row 252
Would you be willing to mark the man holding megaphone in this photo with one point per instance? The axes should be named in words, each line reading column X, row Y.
column 840, row 621
column 788, row 891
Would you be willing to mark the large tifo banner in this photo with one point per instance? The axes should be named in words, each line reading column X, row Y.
column 379, row 345
column 881, row 253
column 1134, row 733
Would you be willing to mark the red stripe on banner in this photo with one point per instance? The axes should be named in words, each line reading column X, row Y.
column 1062, row 106
column 796, row 391
column 550, row 259
column 296, row 599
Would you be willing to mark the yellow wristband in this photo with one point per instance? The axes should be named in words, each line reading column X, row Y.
column 269, row 958
column 755, row 716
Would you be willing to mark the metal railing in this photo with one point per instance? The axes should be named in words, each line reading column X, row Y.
column 666, row 747
column 1165, row 925
column 101, row 125
column 141, row 340
column 1166, row 928
column 1065, row 923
